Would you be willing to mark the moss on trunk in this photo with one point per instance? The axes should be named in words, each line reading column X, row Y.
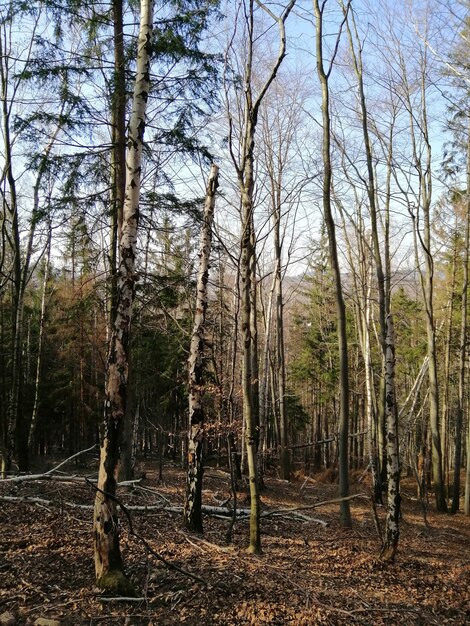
column 117, row 583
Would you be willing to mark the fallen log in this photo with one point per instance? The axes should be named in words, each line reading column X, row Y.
column 215, row 511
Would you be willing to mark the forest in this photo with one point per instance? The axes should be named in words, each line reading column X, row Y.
column 234, row 334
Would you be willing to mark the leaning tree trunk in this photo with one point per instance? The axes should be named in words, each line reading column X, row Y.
column 108, row 560
column 192, row 509
column 392, row 530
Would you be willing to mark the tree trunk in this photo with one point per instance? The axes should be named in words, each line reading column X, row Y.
column 392, row 530
column 264, row 387
column 371, row 194
column 254, row 337
column 445, row 427
column 118, row 183
column 192, row 509
column 108, row 560
column 424, row 171
column 280, row 352
column 244, row 166
column 462, row 357
column 370, row 411
column 42, row 323
column 343, row 439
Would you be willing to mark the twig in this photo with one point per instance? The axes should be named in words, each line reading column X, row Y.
column 74, row 456
column 213, row 546
column 303, row 518
column 48, row 475
column 307, row 507
column 385, row 609
column 119, row 599
column 153, row 491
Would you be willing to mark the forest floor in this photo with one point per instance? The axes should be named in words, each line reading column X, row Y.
column 308, row 573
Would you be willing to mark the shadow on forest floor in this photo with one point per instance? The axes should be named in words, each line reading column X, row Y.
column 308, row 573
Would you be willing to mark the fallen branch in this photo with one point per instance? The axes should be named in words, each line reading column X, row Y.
column 212, row 546
column 214, row 511
column 88, row 507
column 60, row 479
column 303, row 518
column 47, row 475
column 308, row 507
column 119, row 599
column 74, row 456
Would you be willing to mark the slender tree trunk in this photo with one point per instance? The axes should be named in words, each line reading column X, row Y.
column 467, row 474
column 264, row 387
column 108, row 560
column 254, row 336
column 392, row 530
column 247, row 387
column 245, row 172
column 118, row 182
column 370, row 412
column 17, row 302
column 343, row 438
column 436, row 448
column 118, row 156
column 42, row 323
column 280, row 351
column 424, row 171
column 192, row 509
column 462, row 357
column 447, row 375
column 371, row 194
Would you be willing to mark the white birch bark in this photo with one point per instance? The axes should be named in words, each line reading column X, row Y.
column 192, row 509
column 392, row 530
column 42, row 323
column 108, row 560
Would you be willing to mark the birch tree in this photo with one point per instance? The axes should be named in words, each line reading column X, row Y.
column 192, row 509
column 108, row 560
column 392, row 530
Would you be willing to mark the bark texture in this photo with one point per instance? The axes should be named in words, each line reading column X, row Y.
column 192, row 509
column 392, row 530
column 108, row 560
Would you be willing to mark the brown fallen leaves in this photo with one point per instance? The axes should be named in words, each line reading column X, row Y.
column 308, row 574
